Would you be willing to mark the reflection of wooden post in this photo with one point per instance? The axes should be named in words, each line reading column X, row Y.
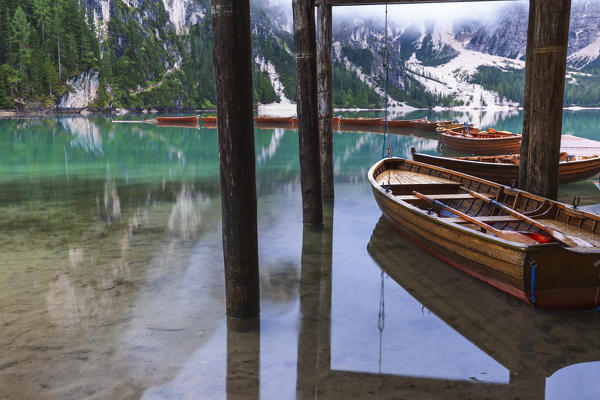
column 243, row 359
column 325, row 90
column 547, row 95
column 308, row 126
column 314, row 347
column 526, row 96
column 233, row 78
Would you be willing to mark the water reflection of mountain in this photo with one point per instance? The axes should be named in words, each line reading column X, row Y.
column 531, row 346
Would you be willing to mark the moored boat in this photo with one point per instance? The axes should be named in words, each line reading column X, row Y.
column 187, row 120
column 475, row 141
column 504, row 169
column 404, row 123
column 275, row 120
column 211, row 119
column 538, row 250
column 344, row 122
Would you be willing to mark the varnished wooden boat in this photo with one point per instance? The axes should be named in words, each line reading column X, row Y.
column 556, row 271
column 504, row 169
column 404, row 123
column 431, row 125
column 211, row 119
column 346, row 122
column 187, row 120
column 476, row 141
column 275, row 120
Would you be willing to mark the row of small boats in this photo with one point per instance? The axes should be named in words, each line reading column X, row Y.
column 341, row 122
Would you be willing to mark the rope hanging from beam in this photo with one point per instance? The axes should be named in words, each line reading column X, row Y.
column 386, row 62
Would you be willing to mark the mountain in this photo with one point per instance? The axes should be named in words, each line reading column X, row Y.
column 158, row 53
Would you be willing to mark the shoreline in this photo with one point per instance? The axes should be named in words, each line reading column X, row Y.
column 32, row 113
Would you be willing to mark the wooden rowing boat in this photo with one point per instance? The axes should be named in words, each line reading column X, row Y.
column 345, row 122
column 211, row 119
column 475, row 141
column 452, row 125
column 187, row 120
column 275, row 120
column 404, row 123
column 504, row 169
column 538, row 250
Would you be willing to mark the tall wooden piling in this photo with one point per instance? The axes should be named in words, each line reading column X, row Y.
column 325, row 90
column 233, row 78
column 527, row 96
column 551, row 35
column 308, row 126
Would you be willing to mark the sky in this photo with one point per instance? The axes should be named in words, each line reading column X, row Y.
column 403, row 12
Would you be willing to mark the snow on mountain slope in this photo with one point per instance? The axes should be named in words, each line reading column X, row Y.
column 452, row 78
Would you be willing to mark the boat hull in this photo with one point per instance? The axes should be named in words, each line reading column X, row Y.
column 345, row 122
column 506, row 174
column 488, row 146
column 172, row 120
column 565, row 278
column 274, row 120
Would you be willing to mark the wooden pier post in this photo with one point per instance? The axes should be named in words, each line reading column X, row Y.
column 527, row 96
column 547, row 95
column 233, row 77
column 308, row 126
column 325, row 96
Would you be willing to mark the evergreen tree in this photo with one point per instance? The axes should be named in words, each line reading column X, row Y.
column 20, row 35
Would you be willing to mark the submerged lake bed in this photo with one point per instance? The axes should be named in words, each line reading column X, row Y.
column 112, row 284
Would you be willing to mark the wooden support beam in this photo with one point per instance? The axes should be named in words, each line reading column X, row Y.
column 374, row 2
column 308, row 126
column 551, row 33
column 233, row 78
column 325, row 96
column 527, row 96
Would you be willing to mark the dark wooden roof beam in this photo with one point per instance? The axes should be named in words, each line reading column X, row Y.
column 372, row 2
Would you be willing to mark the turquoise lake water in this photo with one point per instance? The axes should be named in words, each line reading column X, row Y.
column 112, row 286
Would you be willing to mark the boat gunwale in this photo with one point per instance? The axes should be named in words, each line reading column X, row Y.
column 474, row 162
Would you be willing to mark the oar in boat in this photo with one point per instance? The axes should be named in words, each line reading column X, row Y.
column 508, row 235
column 560, row 237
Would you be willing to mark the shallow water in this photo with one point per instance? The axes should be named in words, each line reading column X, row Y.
column 111, row 279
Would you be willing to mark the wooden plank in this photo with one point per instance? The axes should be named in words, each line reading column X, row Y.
column 306, row 105
column 233, row 79
column 325, row 99
column 546, row 95
column 452, row 196
column 579, row 146
column 373, row 2
column 487, row 219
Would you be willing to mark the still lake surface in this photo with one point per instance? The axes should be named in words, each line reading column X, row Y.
column 112, row 286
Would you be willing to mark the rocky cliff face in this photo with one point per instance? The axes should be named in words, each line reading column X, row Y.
column 83, row 90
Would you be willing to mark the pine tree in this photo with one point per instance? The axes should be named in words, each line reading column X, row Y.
column 20, row 35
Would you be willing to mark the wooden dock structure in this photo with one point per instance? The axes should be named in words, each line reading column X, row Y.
column 579, row 146
column 545, row 67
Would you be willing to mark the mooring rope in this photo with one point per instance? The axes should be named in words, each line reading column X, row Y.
column 386, row 61
column 381, row 317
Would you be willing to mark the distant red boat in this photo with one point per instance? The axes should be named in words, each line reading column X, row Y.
column 361, row 121
column 209, row 120
column 274, row 120
column 172, row 120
